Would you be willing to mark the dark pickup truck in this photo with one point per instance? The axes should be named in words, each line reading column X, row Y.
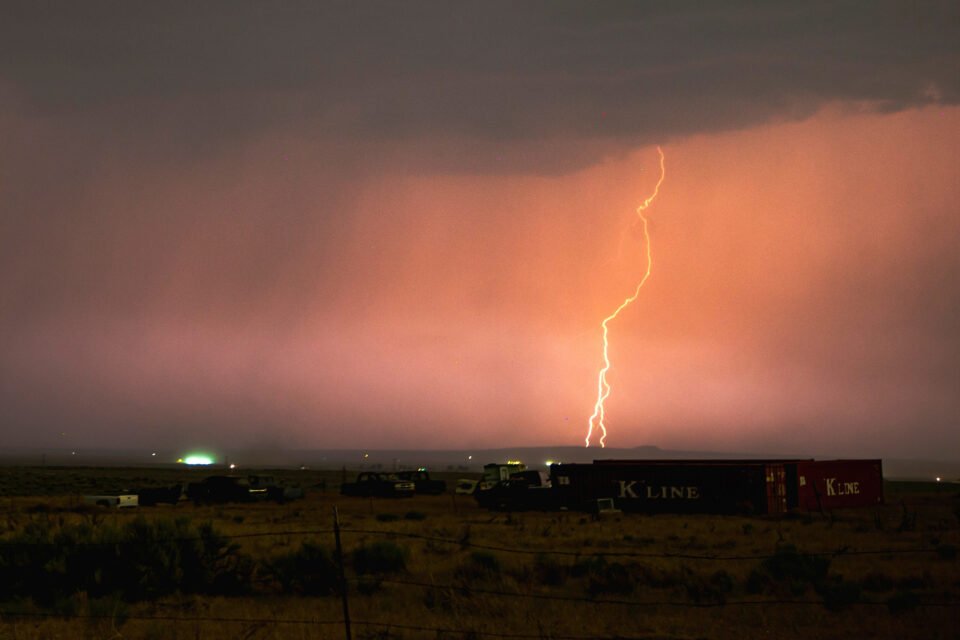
column 151, row 496
column 422, row 482
column 272, row 490
column 380, row 485
column 221, row 489
column 524, row 491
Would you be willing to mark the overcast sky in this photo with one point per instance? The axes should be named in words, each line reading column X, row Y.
column 356, row 224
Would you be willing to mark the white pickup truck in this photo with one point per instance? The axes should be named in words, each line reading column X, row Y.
column 121, row 501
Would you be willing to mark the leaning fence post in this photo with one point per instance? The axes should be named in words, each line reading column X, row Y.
column 343, row 575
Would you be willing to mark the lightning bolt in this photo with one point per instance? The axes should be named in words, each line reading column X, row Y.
column 603, row 387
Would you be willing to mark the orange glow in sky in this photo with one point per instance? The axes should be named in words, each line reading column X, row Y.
column 803, row 298
column 603, row 387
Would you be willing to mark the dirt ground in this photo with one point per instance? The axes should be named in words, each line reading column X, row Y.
column 885, row 572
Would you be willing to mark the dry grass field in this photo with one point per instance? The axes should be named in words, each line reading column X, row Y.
column 439, row 567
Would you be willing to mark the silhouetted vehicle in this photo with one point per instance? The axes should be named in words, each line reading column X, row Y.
column 268, row 488
column 151, row 496
column 524, row 491
column 466, row 486
column 118, row 501
column 422, row 482
column 221, row 489
column 381, row 485
column 497, row 472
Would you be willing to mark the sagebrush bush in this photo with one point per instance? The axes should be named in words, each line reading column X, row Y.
column 701, row 589
column 790, row 569
column 549, row 571
column 379, row 557
column 479, row 565
column 310, row 570
column 604, row 577
column 48, row 561
column 485, row 560
column 839, row 594
column 902, row 601
column 876, row 581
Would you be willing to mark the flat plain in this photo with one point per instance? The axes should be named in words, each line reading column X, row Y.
column 441, row 567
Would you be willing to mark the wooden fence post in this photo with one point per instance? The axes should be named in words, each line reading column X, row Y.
column 343, row 574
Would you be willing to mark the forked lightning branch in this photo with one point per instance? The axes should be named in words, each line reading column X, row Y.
column 598, row 419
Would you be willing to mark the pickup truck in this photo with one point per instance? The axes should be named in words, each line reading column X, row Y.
column 119, row 501
column 466, row 486
column 524, row 491
column 151, row 496
column 380, row 485
column 269, row 488
column 222, row 489
column 422, row 482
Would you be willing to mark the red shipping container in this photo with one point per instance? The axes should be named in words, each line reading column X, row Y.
column 839, row 484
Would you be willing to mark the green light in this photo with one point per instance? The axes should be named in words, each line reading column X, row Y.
column 198, row 459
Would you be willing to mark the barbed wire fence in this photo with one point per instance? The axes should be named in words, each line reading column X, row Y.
column 464, row 542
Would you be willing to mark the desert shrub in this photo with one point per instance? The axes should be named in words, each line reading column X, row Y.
column 839, row 594
column 379, row 557
column 908, row 520
column 877, row 582
column 38, row 507
column 902, row 601
column 947, row 551
column 49, row 561
column 479, row 565
column 381, row 634
column 758, row 582
column 789, row 568
column 369, row 584
column 106, row 614
column 441, row 599
column 655, row 577
column 44, row 562
column 614, row 578
column 163, row 556
column 722, row 581
column 914, row 582
column 584, row 567
column 415, row 515
column 713, row 589
column 387, row 517
column 486, row 561
column 603, row 577
column 310, row 570
column 548, row 571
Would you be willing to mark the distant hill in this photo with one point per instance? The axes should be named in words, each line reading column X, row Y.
column 465, row 460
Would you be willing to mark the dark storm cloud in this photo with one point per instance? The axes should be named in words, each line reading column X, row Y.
column 208, row 209
column 499, row 74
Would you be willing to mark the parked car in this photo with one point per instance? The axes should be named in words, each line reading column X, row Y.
column 118, row 501
column 524, row 490
column 267, row 487
column 381, row 485
column 150, row 496
column 221, row 489
column 422, row 482
column 465, row 486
